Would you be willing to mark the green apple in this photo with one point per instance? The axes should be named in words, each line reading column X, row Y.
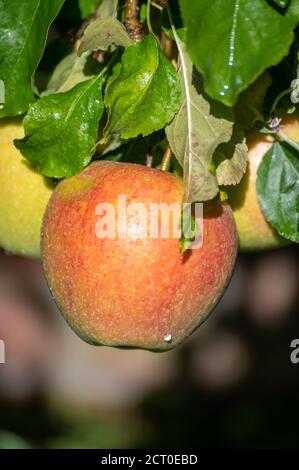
column 24, row 194
column 254, row 232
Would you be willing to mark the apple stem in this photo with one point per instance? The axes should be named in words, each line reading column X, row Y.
column 166, row 159
column 132, row 20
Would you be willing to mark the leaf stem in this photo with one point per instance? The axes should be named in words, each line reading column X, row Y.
column 148, row 16
column 156, row 5
column 278, row 98
column 132, row 20
column 282, row 136
column 182, row 63
column 166, row 159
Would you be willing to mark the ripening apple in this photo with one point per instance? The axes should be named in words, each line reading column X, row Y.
column 124, row 290
column 254, row 232
column 24, row 194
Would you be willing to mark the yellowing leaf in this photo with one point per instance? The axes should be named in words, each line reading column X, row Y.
column 232, row 158
column 196, row 131
column 68, row 73
column 102, row 33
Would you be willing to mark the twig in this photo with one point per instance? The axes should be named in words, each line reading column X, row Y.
column 132, row 20
column 166, row 159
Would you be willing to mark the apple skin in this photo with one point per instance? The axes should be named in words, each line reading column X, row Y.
column 126, row 292
column 24, row 194
column 254, row 232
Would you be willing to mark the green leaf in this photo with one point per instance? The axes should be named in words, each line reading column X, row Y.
column 190, row 229
column 177, row 20
column 278, row 189
column 196, row 131
column 61, row 129
column 88, row 7
column 68, row 73
column 144, row 93
column 231, row 158
column 233, row 41
column 281, row 3
column 143, row 12
column 23, row 31
column 102, row 33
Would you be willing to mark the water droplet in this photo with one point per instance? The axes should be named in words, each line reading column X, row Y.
column 168, row 337
column 232, row 40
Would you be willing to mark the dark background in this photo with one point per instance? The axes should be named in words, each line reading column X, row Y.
column 231, row 384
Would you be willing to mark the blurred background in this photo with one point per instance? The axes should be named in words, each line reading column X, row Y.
column 231, row 384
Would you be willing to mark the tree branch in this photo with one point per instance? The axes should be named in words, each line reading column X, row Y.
column 132, row 20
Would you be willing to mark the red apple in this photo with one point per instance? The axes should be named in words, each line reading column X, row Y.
column 141, row 293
